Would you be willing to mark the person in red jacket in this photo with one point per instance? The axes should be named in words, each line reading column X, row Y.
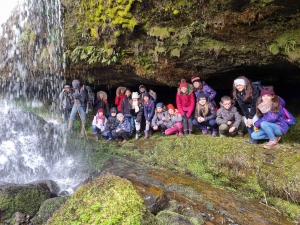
column 120, row 95
column 185, row 101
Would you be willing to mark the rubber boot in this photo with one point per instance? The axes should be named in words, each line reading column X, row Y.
column 214, row 132
column 82, row 133
column 146, row 134
column 137, row 134
column 250, row 131
column 70, row 127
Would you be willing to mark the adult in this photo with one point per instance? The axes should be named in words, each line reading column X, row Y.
column 143, row 90
column 79, row 94
column 126, row 107
column 201, row 86
column 101, row 103
column 120, row 95
column 66, row 102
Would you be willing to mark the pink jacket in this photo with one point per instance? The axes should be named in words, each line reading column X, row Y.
column 185, row 103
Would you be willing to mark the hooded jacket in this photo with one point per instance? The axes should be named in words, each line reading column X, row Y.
column 79, row 94
column 231, row 114
column 248, row 104
column 208, row 91
column 185, row 102
column 212, row 114
column 119, row 98
column 148, row 109
column 160, row 118
column 176, row 117
column 101, row 103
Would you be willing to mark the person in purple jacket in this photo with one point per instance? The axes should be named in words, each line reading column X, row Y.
column 201, row 86
column 271, row 123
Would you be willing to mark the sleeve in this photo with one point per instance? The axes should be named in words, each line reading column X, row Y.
column 117, row 100
column 127, row 127
column 192, row 105
column 212, row 93
column 220, row 120
column 153, row 121
column 268, row 117
column 140, row 113
column 196, row 113
column 178, row 104
column 213, row 113
column 177, row 118
column 237, row 118
column 243, row 107
column 61, row 95
column 252, row 112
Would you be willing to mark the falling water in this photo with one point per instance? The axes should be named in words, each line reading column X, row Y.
column 31, row 68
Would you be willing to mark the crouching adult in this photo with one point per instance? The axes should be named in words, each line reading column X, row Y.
column 122, row 130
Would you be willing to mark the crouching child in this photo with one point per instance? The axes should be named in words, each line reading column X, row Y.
column 98, row 124
column 159, row 120
column 111, row 124
column 122, row 130
column 229, row 119
column 174, row 125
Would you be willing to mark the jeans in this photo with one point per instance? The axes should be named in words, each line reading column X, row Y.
column 81, row 111
column 267, row 131
column 131, row 121
column 95, row 129
column 187, row 123
column 211, row 123
column 66, row 113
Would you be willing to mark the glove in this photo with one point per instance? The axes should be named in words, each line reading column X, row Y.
column 255, row 129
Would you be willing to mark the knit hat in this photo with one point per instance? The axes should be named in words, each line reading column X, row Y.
column 146, row 94
column 183, row 84
column 113, row 110
column 75, row 83
column 195, row 79
column 159, row 105
column 142, row 86
column 170, row 106
column 135, row 95
column 200, row 96
column 119, row 115
column 100, row 110
column 239, row 82
column 267, row 92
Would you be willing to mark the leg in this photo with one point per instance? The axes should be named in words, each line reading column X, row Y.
column 137, row 128
column 213, row 125
column 184, row 122
column 271, row 129
column 190, row 123
column 223, row 129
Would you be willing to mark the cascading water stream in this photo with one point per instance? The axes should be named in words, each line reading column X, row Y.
column 31, row 68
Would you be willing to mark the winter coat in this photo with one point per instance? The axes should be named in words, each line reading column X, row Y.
column 149, row 109
column 185, row 103
column 160, row 119
column 207, row 90
column 212, row 114
column 176, row 117
column 66, row 101
column 126, row 106
column 111, row 123
column 277, row 118
column 124, row 125
column 137, row 113
column 80, row 96
column 231, row 114
column 99, row 123
column 101, row 103
column 119, row 98
column 248, row 104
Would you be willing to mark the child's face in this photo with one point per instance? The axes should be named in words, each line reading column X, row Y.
column 202, row 101
column 183, row 89
column 101, row 96
column 127, row 93
column 146, row 98
column 121, row 118
column 100, row 113
column 196, row 84
column 240, row 87
column 267, row 98
column 171, row 111
column 113, row 114
column 134, row 99
column 142, row 89
column 226, row 104
column 159, row 109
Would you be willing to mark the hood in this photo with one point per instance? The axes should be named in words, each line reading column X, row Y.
column 190, row 89
column 104, row 94
column 118, row 91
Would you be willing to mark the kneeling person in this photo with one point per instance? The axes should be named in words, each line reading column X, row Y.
column 123, row 128
column 229, row 119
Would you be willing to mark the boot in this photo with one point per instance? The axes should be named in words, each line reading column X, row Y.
column 82, row 133
column 137, row 134
column 146, row 134
column 252, row 141
column 190, row 131
column 204, row 130
column 185, row 132
column 70, row 127
column 214, row 132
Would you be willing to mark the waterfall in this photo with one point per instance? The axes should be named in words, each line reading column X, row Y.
column 31, row 68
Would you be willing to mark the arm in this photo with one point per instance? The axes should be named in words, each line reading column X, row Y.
column 213, row 113
column 192, row 105
column 152, row 110
column 237, row 118
column 211, row 93
column 268, row 117
column 153, row 121
column 117, row 100
column 220, row 120
column 179, row 105
column 177, row 118
column 153, row 95
column 255, row 95
column 243, row 107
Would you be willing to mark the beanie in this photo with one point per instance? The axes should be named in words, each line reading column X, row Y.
column 113, row 110
column 183, row 84
column 200, row 96
column 142, row 86
column 100, row 110
column 159, row 105
column 75, row 83
column 239, row 82
column 146, row 94
column 170, row 106
column 195, row 79
column 267, row 92
column 135, row 95
column 119, row 115
column 67, row 86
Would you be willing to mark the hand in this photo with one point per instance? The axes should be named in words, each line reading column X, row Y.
column 200, row 119
column 229, row 122
column 249, row 123
column 231, row 129
column 63, row 90
column 147, row 122
column 117, row 130
column 155, row 127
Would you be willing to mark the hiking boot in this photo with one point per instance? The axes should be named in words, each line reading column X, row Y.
column 222, row 136
column 95, row 136
column 146, row 134
column 180, row 134
column 136, row 136
column 271, row 144
column 122, row 142
column 163, row 133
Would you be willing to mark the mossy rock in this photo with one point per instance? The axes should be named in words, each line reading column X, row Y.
column 25, row 199
column 47, row 208
column 171, row 218
column 108, row 199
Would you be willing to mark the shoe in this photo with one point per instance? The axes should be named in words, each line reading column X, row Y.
column 252, row 141
column 185, row 132
column 278, row 138
column 108, row 140
column 146, row 134
column 163, row 133
column 271, row 144
column 136, row 136
column 122, row 142
column 190, row 131
column 180, row 134
column 214, row 132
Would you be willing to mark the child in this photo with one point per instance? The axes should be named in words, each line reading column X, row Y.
column 271, row 122
column 159, row 120
column 126, row 107
column 148, row 112
column 101, row 102
column 111, row 124
column 228, row 118
column 205, row 114
column 123, row 128
column 185, row 102
column 120, row 95
column 246, row 96
column 203, row 87
column 137, row 110
column 174, row 124
column 99, row 122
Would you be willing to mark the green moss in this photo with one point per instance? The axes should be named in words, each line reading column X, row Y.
column 290, row 209
column 106, row 200
column 175, row 53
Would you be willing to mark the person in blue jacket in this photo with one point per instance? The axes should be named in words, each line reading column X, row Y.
column 149, row 106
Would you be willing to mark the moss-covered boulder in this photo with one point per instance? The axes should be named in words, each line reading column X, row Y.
column 47, row 208
column 25, row 199
column 108, row 199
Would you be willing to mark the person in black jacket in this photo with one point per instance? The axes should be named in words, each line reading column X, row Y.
column 126, row 107
column 137, row 110
column 246, row 96
column 111, row 124
column 80, row 96
column 101, row 103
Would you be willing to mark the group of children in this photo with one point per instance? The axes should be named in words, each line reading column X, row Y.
column 262, row 110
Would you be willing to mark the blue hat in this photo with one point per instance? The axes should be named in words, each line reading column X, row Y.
column 159, row 105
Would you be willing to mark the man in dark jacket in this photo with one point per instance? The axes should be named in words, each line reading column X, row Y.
column 79, row 94
column 66, row 102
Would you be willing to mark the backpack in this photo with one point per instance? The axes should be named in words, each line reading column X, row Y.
column 90, row 94
column 289, row 118
column 258, row 85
